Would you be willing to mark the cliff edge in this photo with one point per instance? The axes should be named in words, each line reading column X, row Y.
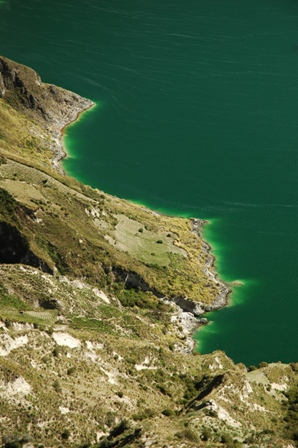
column 50, row 106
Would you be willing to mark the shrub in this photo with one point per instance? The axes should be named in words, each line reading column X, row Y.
column 15, row 444
column 119, row 429
column 251, row 368
column 110, row 419
column 7, row 323
column 169, row 412
column 132, row 297
column 14, row 441
column 147, row 413
column 206, row 434
column 56, row 386
column 26, row 439
column 294, row 366
column 163, row 390
column 227, row 439
column 187, row 434
column 262, row 364
column 65, row 434
column 56, row 351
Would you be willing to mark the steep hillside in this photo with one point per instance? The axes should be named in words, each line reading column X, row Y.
column 98, row 298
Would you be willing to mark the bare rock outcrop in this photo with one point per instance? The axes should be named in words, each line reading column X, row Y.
column 49, row 105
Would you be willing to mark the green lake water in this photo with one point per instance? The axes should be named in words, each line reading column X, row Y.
column 197, row 115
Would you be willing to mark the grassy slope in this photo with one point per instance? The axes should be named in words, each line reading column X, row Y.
column 80, row 346
column 100, row 232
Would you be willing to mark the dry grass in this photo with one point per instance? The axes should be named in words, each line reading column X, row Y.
column 123, row 363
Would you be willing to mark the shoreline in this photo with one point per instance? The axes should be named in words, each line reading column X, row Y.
column 221, row 299
column 64, row 153
column 60, row 151
column 51, row 106
column 196, row 307
column 189, row 312
column 186, row 305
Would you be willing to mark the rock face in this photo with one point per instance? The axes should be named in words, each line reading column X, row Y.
column 188, row 305
column 22, row 88
column 14, row 248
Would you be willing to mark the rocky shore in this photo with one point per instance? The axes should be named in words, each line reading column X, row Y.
column 55, row 108
column 221, row 298
column 198, row 308
column 52, row 106
column 73, row 106
column 187, row 313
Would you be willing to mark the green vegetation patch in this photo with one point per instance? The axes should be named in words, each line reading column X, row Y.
column 85, row 323
column 26, row 193
column 17, row 136
column 12, row 302
column 145, row 245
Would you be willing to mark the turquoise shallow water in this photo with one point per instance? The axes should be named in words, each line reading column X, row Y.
column 197, row 106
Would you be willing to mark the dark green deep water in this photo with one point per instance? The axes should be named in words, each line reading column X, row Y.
column 197, row 115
